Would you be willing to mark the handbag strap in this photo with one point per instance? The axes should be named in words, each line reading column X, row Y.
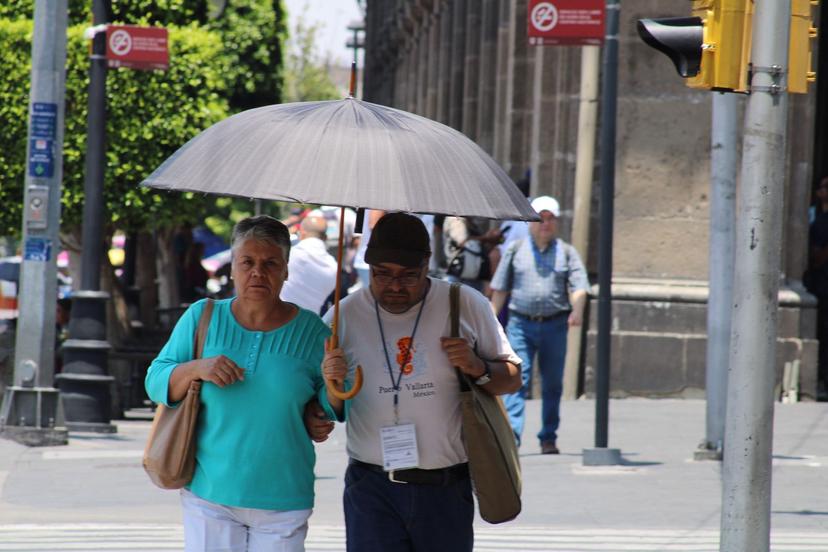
column 454, row 316
column 454, row 306
column 201, row 331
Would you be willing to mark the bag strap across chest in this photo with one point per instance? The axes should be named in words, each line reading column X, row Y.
column 201, row 331
column 454, row 317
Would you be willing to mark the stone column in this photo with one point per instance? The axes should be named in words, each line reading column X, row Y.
column 424, row 43
column 401, row 75
column 488, row 76
column 471, row 77
column 444, row 70
column 518, row 94
column 412, row 78
column 432, row 81
column 555, row 127
column 502, row 79
column 458, row 58
column 801, row 118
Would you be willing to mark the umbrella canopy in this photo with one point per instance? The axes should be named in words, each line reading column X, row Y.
column 346, row 153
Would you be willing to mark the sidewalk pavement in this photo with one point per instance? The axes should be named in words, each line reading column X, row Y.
column 93, row 493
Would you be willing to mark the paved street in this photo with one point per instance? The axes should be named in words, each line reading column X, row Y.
column 93, row 494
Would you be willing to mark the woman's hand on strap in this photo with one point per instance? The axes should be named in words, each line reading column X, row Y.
column 218, row 369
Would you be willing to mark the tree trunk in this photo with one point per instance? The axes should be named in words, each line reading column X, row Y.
column 165, row 265
column 145, row 278
column 118, row 328
column 71, row 242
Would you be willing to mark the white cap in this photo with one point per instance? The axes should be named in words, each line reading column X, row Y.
column 546, row 203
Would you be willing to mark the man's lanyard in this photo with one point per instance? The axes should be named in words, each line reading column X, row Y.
column 396, row 384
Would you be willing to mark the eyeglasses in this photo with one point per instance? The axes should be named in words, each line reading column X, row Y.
column 406, row 279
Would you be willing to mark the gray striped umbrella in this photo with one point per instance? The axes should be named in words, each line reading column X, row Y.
column 348, row 153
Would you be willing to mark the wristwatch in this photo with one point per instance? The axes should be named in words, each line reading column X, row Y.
column 486, row 377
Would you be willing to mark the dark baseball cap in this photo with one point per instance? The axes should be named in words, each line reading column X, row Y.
column 398, row 238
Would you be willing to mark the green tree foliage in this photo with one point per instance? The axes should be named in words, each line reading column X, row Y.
column 305, row 72
column 150, row 114
column 218, row 66
column 15, row 40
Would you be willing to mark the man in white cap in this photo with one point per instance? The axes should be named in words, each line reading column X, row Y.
column 548, row 286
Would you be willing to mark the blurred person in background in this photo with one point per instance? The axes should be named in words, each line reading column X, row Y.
column 546, row 284
column 312, row 269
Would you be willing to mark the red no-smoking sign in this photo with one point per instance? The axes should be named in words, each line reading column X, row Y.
column 566, row 22
column 137, row 47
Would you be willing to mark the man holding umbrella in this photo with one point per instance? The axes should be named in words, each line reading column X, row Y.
column 407, row 486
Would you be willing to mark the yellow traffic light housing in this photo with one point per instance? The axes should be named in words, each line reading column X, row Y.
column 712, row 48
column 799, row 55
column 726, row 25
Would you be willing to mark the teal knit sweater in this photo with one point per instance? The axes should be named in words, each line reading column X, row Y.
column 252, row 447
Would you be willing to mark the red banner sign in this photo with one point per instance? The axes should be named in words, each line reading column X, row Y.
column 566, row 22
column 137, row 47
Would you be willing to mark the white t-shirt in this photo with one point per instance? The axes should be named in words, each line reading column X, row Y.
column 429, row 391
column 311, row 275
column 359, row 260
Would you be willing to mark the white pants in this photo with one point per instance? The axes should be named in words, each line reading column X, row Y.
column 215, row 528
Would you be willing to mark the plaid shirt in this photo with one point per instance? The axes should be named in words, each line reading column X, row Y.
column 540, row 281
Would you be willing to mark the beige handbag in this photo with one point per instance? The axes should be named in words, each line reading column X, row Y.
column 490, row 445
column 169, row 457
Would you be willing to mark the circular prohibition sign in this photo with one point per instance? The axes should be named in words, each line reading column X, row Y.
column 544, row 16
column 120, row 42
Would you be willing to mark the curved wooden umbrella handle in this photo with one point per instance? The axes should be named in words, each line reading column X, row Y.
column 333, row 385
column 333, row 342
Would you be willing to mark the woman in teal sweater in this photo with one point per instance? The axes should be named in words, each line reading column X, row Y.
column 253, row 483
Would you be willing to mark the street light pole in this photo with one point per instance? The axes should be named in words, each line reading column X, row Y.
column 31, row 412
column 84, row 383
column 720, row 270
column 746, row 481
column 601, row 455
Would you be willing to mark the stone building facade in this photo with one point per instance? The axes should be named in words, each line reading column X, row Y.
column 468, row 64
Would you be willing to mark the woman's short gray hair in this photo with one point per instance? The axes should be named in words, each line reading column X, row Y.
column 263, row 228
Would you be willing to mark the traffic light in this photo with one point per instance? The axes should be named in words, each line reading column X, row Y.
column 726, row 48
column 711, row 49
column 799, row 55
column 678, row 37
column 712, row 42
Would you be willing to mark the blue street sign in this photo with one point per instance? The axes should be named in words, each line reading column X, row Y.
column 41, row 158
column 37, row 249
column 42, row 134
column 43, row 120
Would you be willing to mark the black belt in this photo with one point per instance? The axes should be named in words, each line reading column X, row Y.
column 538, row 317
column 439, row 477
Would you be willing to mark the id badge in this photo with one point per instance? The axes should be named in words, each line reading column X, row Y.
column 399, row 447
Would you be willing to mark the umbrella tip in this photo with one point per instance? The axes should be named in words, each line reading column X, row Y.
column 353, row 79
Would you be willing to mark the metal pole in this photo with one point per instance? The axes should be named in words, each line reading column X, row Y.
column 746, row 486
column 584, row 171
column 84, row 382
column 93, row 203
column 31, row 411
column 720, row 269
column 601, row 455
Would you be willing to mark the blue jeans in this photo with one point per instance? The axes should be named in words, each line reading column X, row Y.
column 548, row 339
column 383, row 516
